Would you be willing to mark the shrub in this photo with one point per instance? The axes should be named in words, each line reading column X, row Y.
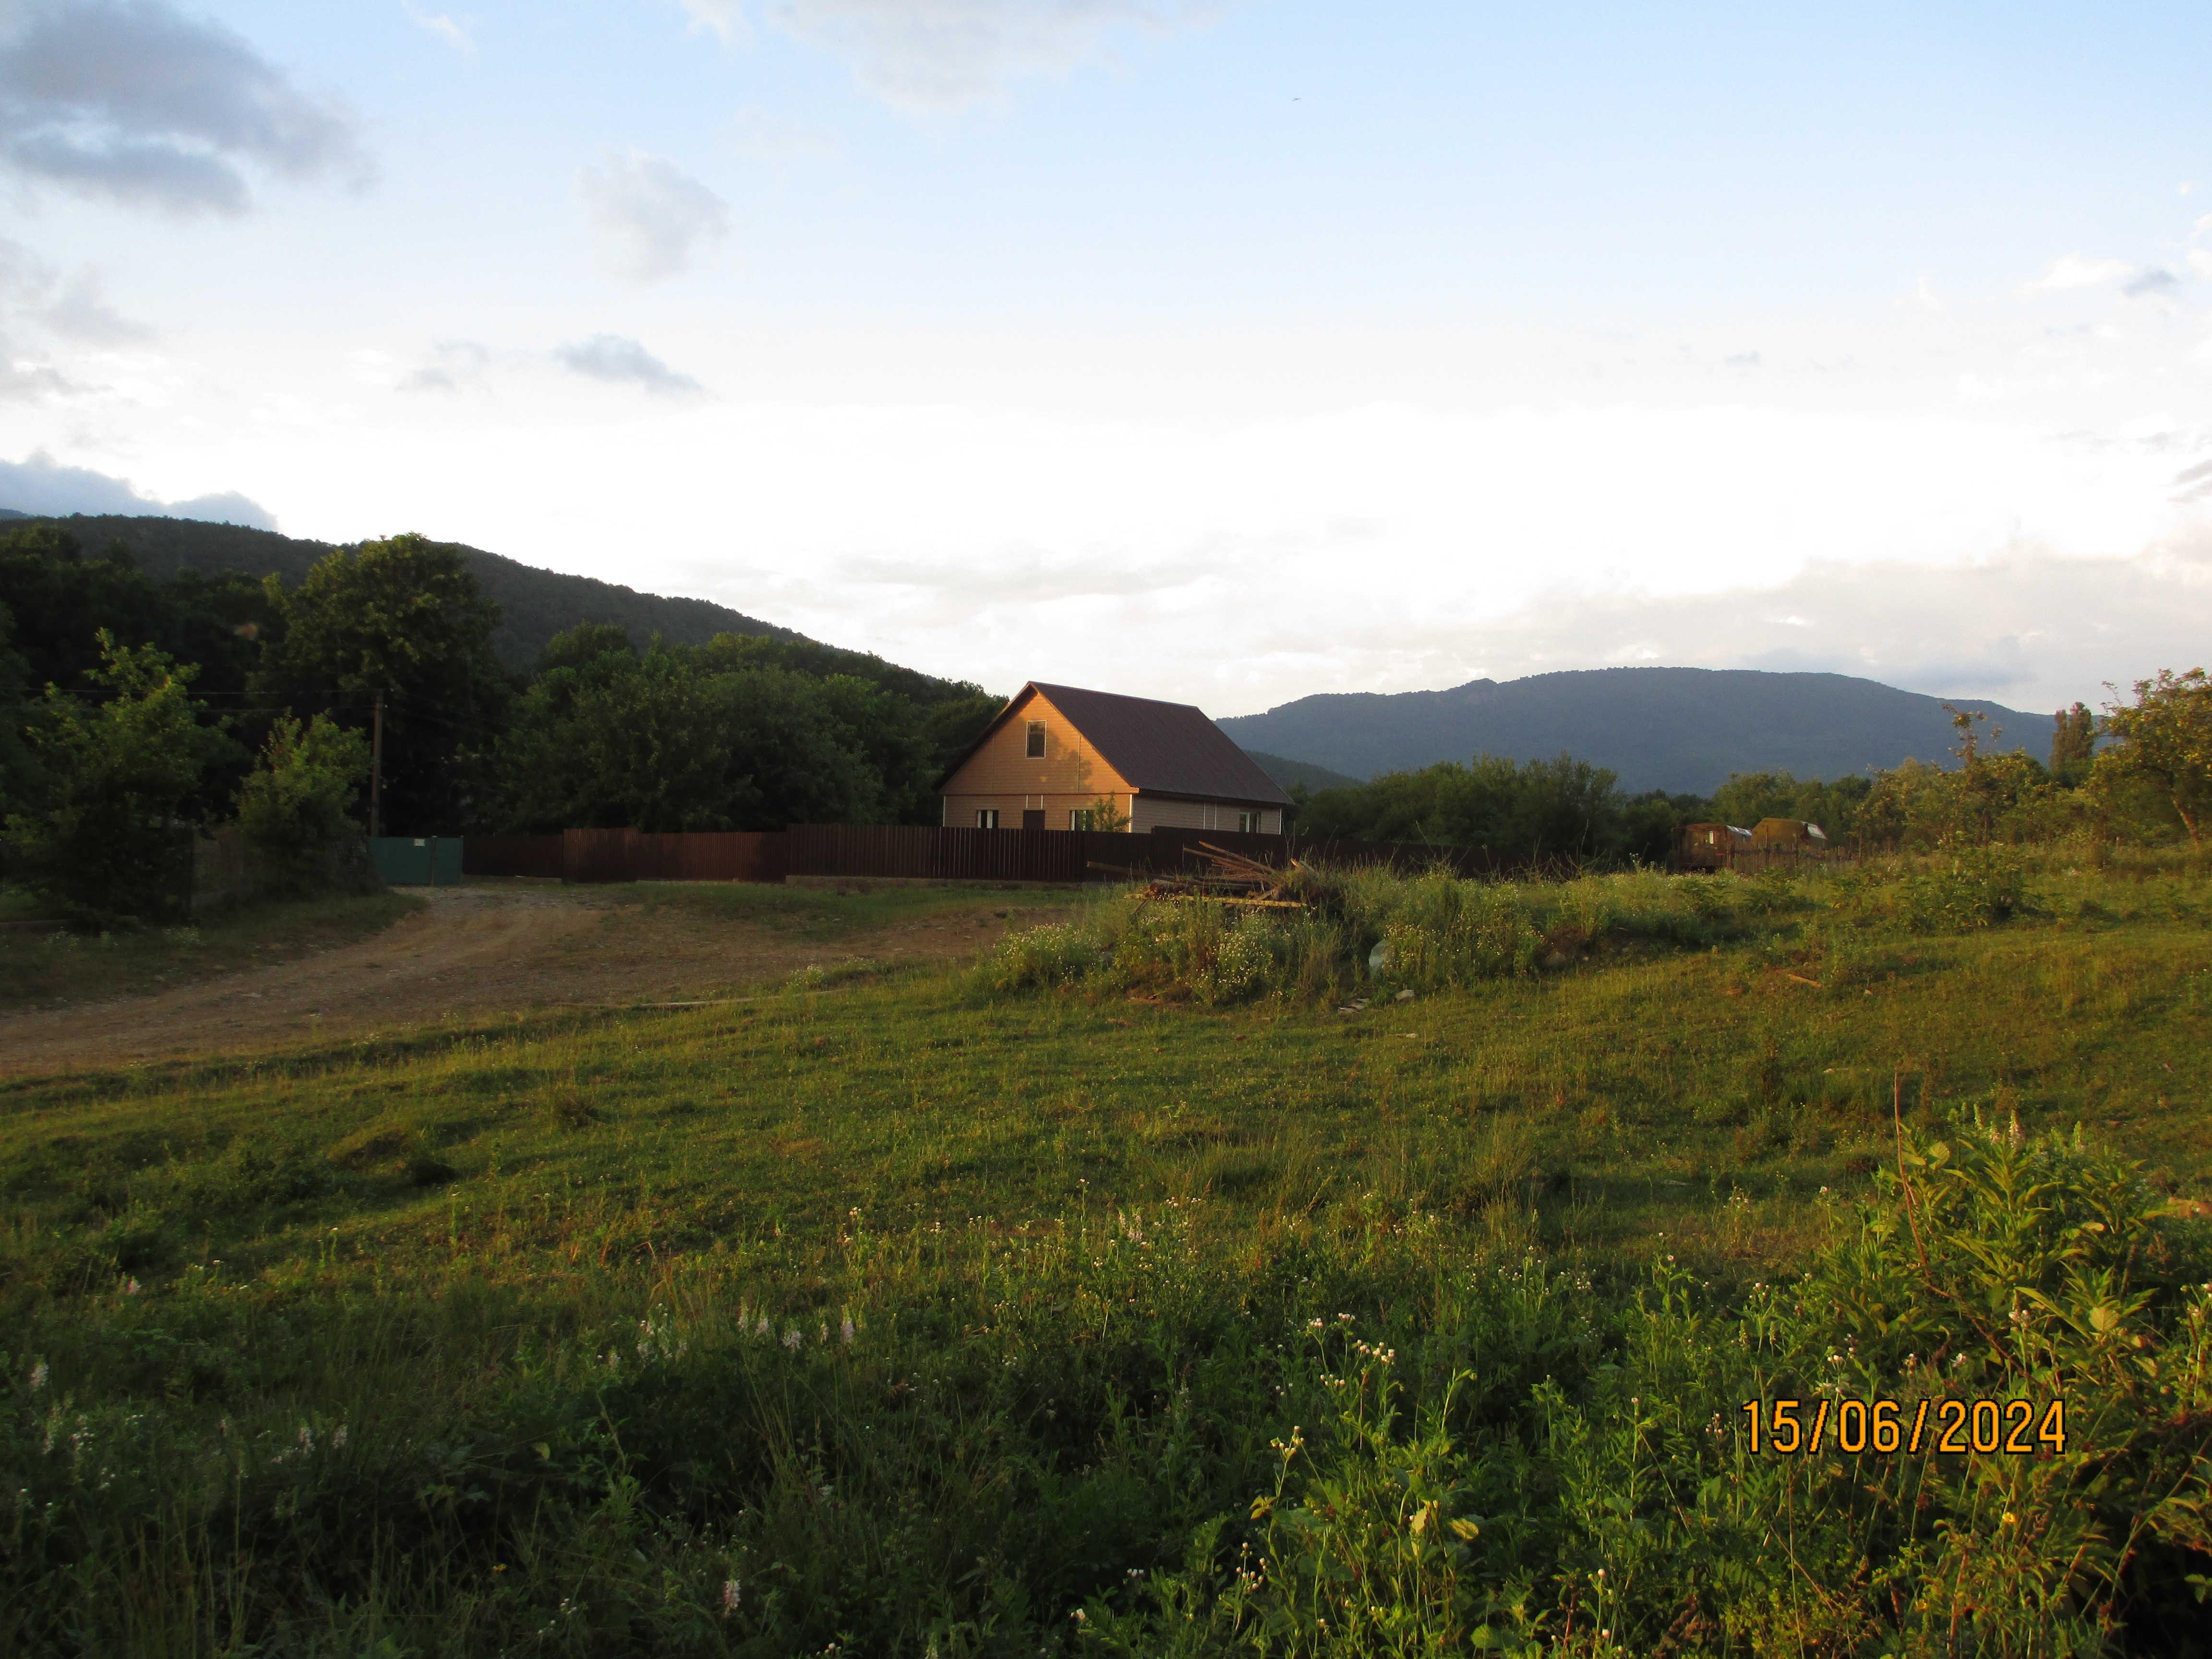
column 1965, row 892
column 296, row 805
column 1054, row 955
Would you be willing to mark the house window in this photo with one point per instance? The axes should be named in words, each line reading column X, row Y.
column 1079, row 818
column 1036, row 739
column 1247, row 824
column 987, row 817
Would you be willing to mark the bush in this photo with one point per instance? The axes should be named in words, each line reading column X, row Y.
column 111, row 841
column 1613, row 1504
column 1425, row 933
column 296, row 805
column 1056, row 955
column 1965, row 892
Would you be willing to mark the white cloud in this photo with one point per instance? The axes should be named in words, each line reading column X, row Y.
column 132, row 101
column 943, row 54
column 441, row 25
column 454, row 364
column 40, row 484
column 80, row 311
column 2075, row 270
column 616, row 358
column 649, row 216
column 720, row 17
column 2200, row 261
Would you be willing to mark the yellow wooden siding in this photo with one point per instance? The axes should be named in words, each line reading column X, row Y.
column 1001, row 770
column 960, row 810
column 1156, row 812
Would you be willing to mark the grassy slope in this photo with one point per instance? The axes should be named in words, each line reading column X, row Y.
column 39, row 965
column 423, row 1238
column 1623, row 1098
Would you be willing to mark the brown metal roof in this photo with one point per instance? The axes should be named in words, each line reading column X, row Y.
column 1159, row 748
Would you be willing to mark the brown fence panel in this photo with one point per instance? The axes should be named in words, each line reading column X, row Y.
column 600, row 856
column 926, row 852
column 511, row 855
column 930, row 853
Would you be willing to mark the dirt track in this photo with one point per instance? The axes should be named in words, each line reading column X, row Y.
column 473, row 951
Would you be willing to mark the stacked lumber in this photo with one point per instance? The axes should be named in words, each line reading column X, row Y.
column 1232, row 878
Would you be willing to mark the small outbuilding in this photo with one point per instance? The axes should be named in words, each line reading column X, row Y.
column 1788, row 832
column 1060, row 758
column 1710, row 846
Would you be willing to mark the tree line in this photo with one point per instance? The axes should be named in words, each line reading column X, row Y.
column 2142, row 772
column 137, row 711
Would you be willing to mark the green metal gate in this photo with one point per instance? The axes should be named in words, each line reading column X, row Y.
column 418, row 861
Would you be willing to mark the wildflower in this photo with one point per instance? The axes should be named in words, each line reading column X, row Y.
column 1079, row 1617
column 130, row 1287
column 730, row 1587
column 794, row 1339
column 339, row 1438
column 39, row 1375
column 845, row 1331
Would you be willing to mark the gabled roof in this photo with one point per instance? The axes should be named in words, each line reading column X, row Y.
column 1161, row 748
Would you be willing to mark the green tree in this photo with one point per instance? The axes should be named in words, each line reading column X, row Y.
column 20, row 775
column 1534, row 809
column 1748, row 796
column 2072, row 743
column 113, row 836
column 2163, row 740
column 664, row 741
column 297, row 805
column 403, row 619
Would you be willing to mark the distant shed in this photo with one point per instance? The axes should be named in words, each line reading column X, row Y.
column 1788, row 832
column 1710, row 846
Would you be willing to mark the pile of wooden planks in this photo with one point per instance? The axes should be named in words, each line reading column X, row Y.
column 1233, row 879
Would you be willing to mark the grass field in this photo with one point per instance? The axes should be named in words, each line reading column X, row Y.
column 909, row 1315
column 42, row 963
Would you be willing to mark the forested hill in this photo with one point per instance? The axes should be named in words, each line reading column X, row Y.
column 1683, row 729
column 534, row 605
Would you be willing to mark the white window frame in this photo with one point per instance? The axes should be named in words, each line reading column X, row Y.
column 1035, row 743
column 987, row 817
column 1247, row 824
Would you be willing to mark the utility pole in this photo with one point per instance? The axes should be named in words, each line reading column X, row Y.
column 376, row 771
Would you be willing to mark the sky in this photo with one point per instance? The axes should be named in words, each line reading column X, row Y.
column 1221, row 350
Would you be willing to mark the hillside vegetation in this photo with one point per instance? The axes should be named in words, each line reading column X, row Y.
column 994, row 1314
column 533, row 604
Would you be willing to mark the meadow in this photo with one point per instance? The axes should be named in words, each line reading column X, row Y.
column 1137, row 1291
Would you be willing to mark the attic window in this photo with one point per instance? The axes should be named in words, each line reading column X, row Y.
column 1037, row 740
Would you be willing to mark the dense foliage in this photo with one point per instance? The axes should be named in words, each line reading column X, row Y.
column 742, row 731
column 2145, row 776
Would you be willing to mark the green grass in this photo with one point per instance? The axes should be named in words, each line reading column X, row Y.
column 48, row 965
column 1079, row 1240
column 829, row 912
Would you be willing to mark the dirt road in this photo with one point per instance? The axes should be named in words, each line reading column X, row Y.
column 475, row 950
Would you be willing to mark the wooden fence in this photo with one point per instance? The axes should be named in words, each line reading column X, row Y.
column 925, row 852
column 928, row 854
column 512, row 855
column 599, row 855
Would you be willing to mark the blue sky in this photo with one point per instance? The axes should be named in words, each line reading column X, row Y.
column 1220, row 351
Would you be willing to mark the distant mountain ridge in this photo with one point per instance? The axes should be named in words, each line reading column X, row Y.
column 534, row 605
column 1683, row 729
column 1284, row 772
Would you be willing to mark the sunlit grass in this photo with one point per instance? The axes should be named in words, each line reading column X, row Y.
column 1075, row 1236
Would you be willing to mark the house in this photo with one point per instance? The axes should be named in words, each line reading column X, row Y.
column 1058, row 757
